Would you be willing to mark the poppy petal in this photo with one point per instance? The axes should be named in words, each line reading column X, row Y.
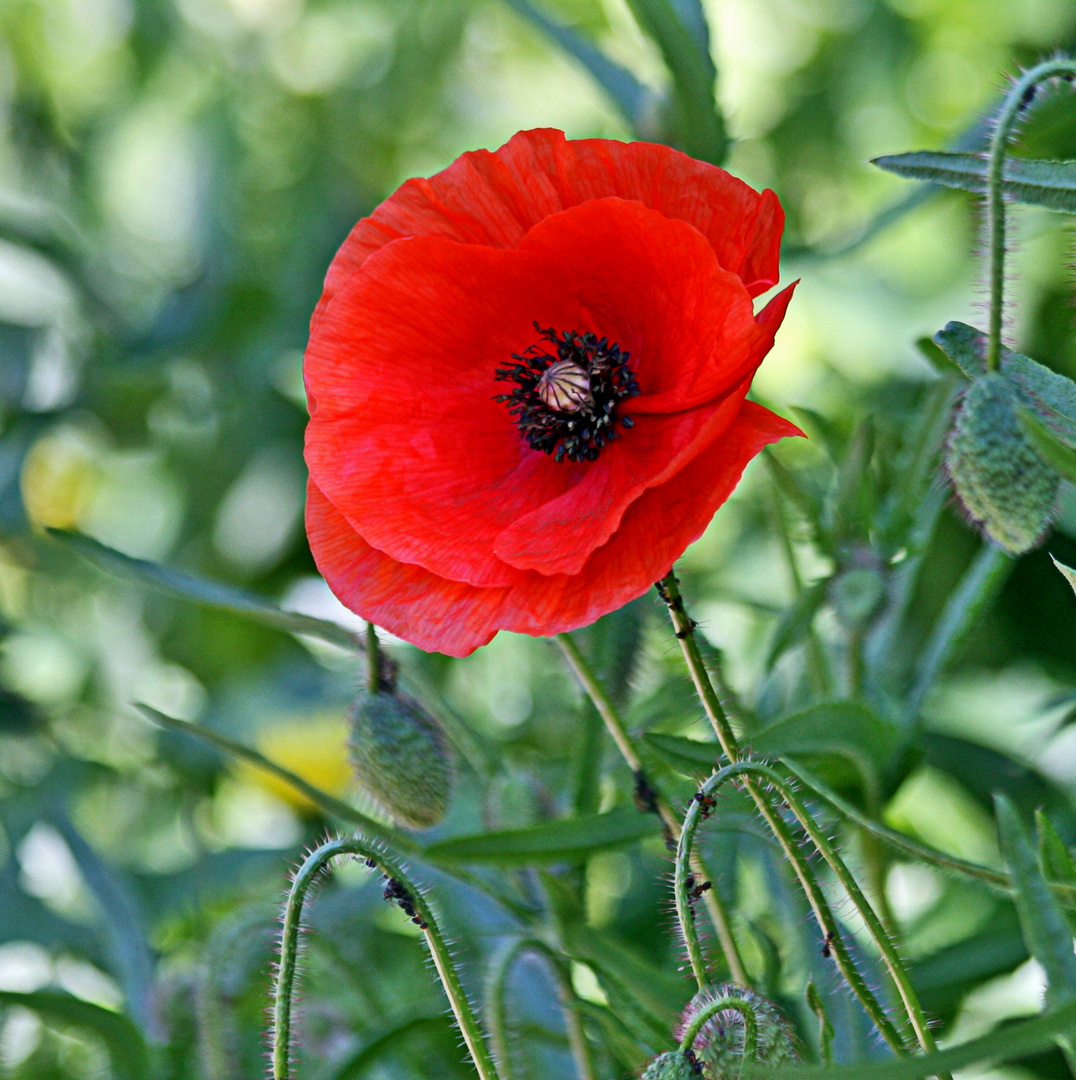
column 495, row 198
column 407, row 441
column 456, row 618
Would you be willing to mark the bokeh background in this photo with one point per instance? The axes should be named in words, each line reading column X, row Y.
column 175, row 176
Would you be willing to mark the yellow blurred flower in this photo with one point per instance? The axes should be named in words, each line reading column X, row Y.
column 313, row 747
column 59, row 478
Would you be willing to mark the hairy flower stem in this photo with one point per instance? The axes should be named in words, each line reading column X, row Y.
column 715, row 906
column 312, row 866
column 495, row 1006
column 373, row 659
column 1014, row 103
column 738, row 1004
column 685, row 633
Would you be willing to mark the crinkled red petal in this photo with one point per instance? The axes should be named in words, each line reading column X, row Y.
column 405, row 437
column 495, row 198
column 456, row 618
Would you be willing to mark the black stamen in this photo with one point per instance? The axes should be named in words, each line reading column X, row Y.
column 565, row 403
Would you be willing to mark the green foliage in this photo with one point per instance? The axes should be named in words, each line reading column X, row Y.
column 175, row 179
column 1051, row 184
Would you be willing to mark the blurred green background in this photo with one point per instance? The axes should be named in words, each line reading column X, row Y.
column 175, row 176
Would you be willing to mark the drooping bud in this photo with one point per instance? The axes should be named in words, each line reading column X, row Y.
column 564, row 386
column 719, row 1044
column 400, row 757
column 1002, row 483
column 671, row 1066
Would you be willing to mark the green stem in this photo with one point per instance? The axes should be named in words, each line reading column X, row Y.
column 840, row 870
column 740, row 1005
column 495, row 1004
column 995, row 203
column 373, row 659
column 312, row 866
column 815, row 896
column 715, row 906
column 685, row 633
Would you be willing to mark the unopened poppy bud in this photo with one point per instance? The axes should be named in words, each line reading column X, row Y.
column 564, row 386
column 400, row 757
column 671, row 1066
column 719, row 1044
column 1001, row 482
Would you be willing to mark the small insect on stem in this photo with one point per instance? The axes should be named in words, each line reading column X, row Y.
column 827, row 952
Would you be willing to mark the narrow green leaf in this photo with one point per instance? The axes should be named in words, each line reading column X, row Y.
column 1037, row 183
column 631, row 97
column 554, row 841
column 795, row 621
column 1045, row 929
column 129, row 1053
column 125, row 930
column 1066, row 572
column 936, row 357
column 825, row 1028
column 691, row 757
column 696, row 124
column 385, row 1041
column 212, row 593
column 329, row 803
column 1006, row 1043
column 847, row 729
column 1056, row 451
column 1054, row 856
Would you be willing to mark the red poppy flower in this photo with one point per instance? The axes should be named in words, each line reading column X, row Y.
column 526, row 379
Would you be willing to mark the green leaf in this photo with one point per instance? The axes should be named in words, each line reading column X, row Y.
column 825, row 1028
column 1054, row 855
column 329, row 803
column 795, row 621
column 634, row 100
column 1056, row 451
column 1037, row 183
column 1006, row 1043
column 691, row 757
column 847, row 729
column 936, row 357
column 129, row 1053
column 1045, row 928
column 212, row 593
column 1066, row 572
column 386, row 1041
column 695, row 122
column 555, row 841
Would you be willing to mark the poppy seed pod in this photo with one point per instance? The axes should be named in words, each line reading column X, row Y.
column 1001, row 482
column 719, row 1045
column 671, row 1066
column 400, row 758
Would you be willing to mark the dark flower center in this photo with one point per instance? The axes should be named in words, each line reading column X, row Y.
column 567, row 393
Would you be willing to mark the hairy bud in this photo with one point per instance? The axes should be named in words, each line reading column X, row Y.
column 671, row 1066
column 719, row 1044
column 1002, row 483
column 400, row 757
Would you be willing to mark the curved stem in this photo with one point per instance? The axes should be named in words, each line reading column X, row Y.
column 995, row 203
column 874, row 926
column 715, row 907
column 414, row 904
column 815, row 896
column 740, row 1005
column 495, row 1004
